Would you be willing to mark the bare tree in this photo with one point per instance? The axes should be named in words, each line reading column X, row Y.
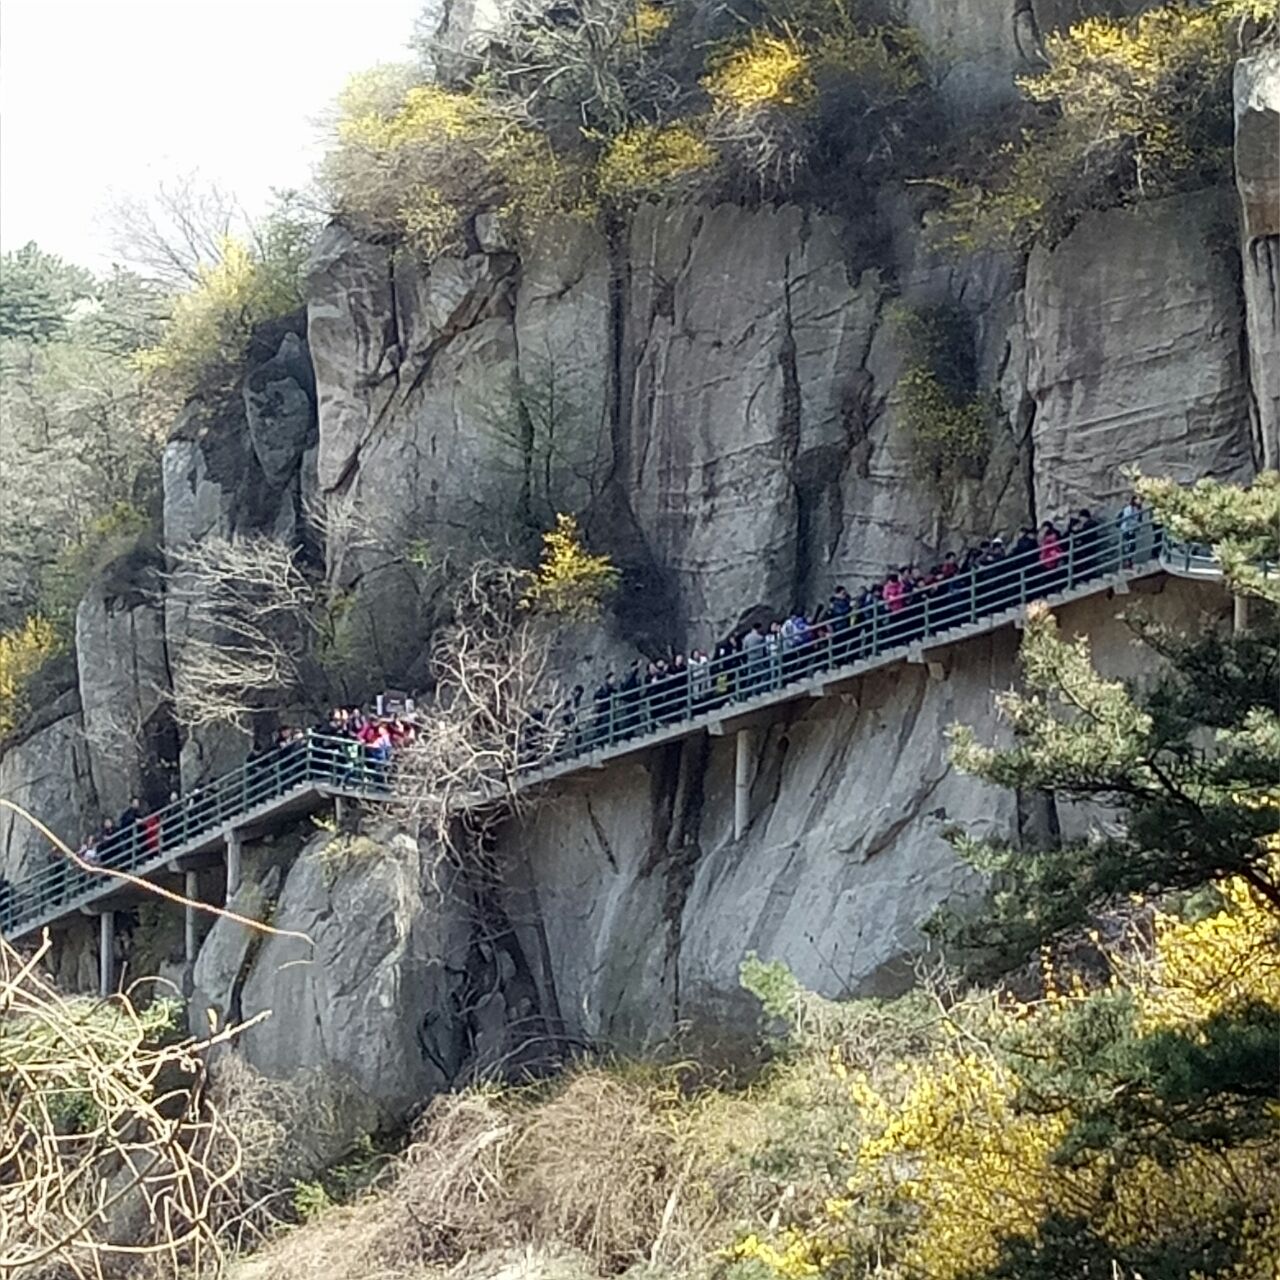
column 250, row 622
column 180, row 228
column 496, row 715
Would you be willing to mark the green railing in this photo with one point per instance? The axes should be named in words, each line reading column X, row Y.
column 628, row 714
column 197, row 818
column 965, row 600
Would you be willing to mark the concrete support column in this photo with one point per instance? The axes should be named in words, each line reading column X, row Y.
column 741, row 782
column 106, row 953
column 233, row 861
column 191, row 890
column 1240, row 613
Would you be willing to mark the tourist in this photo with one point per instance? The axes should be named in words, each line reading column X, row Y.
column 1050, row 555
column 1129, row 519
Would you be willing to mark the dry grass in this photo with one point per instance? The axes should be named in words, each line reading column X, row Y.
column 595, row 1175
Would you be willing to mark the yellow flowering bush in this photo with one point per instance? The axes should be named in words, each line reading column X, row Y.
column 24, row 649
column 966, row 1162
column 1141, row 107
column 570, row 580
column 210, row 324
column 651, row 160
column 768, row 70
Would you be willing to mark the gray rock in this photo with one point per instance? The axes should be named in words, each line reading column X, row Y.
column 124, row 683
column 1257, row 112
column 630, row 885
column 279, row 405
column 49, row 774
column 1134, row 353
column 354, row 999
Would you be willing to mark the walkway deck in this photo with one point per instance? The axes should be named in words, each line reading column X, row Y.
column 275, row 791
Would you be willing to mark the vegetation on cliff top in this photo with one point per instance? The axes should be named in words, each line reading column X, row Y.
column 799, row 99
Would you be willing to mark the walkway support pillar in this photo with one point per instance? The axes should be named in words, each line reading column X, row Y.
column 106, row 953
column 191, row 890
column 1239, row 614
column 741, row 782
column 234, row 847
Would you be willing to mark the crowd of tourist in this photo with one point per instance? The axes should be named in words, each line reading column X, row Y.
column 897, row 609
column 357, row 746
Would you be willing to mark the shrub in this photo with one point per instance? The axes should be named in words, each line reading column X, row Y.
column 570, row 581
column 816, row 90
column 23, row 651
column 252, row 280
column 652, row 160
column 949, row 422
column 766, row 70
column 1135, row 108
column 420, row 160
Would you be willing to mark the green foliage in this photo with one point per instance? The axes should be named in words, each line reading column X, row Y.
column 948, row 420
column 74, row 429
column 24, row 650
column 105, row 538
column 37, row 293
column 1241, row 525
column 1131, row 109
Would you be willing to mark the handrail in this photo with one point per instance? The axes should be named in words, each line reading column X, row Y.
column 630, row 714
column 207, row 811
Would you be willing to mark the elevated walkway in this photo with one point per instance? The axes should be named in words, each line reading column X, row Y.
column 209, row 826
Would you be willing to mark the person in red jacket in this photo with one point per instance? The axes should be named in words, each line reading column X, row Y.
column 1050, row 557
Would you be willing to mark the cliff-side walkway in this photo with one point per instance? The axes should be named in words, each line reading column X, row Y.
column 210, row 826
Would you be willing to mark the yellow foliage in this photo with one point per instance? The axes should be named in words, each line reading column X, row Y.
column 420, row 160
column 570, row 581
column 651, row 160
column 649, row 21
column 769, row 70
column 1141, row 107
column 24, row 649
column 952, row 1154
column 211, row 322
column 1221, row 963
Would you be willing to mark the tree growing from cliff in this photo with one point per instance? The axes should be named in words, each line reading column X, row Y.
column 1191, row 758
column 250, row 616
column 494, row 713
column 1128, row 109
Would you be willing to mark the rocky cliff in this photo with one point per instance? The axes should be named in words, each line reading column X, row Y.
column 716, row 390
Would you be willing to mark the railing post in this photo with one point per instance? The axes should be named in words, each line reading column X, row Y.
column 973, row 593
column 191, row 888
column 1071, row 560
column 925, row 616
column 233, row 861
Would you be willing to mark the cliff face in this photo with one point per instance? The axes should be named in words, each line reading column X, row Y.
column 716, row 389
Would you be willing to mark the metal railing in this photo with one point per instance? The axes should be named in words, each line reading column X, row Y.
column 628, row 714
column 198, row 818
column 935, row 613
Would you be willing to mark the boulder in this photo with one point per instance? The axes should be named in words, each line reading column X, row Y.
column 1133, row 327
column 359, row 998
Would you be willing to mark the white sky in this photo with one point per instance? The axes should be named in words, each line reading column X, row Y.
column 106, row 96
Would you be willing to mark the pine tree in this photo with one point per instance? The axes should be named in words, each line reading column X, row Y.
column 1191, row 759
